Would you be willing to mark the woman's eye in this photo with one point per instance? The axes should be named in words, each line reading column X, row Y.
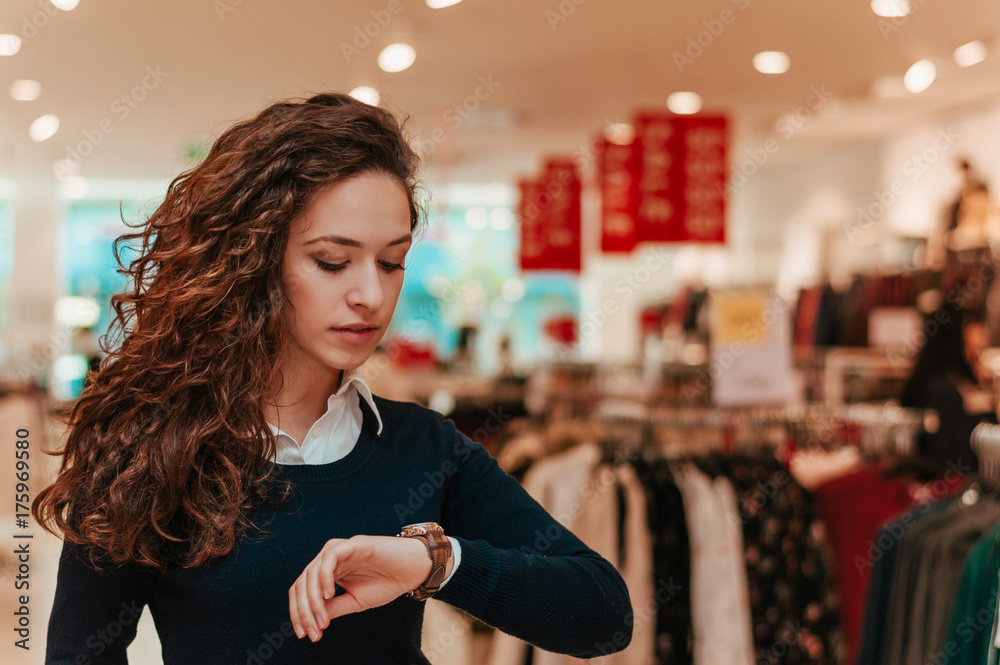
column 330, row 267
column 388, row 266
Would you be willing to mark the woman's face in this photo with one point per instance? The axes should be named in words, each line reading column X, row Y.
column 343, row 269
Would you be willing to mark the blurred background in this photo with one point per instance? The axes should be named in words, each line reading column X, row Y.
column 705, row 226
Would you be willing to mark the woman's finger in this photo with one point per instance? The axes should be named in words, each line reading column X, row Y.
column 298, row 622
column 306, row 615
column 343, row 604
column 327, row 571
column 314, row 588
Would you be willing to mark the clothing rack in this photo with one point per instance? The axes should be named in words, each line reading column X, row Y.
column 876, row 429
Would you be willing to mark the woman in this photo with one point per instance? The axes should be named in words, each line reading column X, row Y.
column 227, row 466
column 950, row 383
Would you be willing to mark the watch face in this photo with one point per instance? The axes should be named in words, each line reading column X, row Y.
column 422, row 527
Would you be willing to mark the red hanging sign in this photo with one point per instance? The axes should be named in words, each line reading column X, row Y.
column 562, row 183
column 531, row 215
column 703, row 153
column 618, row 179
column 681, row 178
column 550, row 219
column 659, row 217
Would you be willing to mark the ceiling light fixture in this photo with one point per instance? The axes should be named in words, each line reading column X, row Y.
column 366, row 94
column 891, row 8
column 65, row 5
column 396, row 57
column 441, row 4
column 771, row 62
column 684, row 103
column 970, row 54
column 9, row 44
column 919, row 76
column 25, row 90
column 620, row 133
column 44, row 127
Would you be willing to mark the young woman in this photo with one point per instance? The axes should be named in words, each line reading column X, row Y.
column 228, row 468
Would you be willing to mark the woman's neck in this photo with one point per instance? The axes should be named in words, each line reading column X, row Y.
column 302, row 399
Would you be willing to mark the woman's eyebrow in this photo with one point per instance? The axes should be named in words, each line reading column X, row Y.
column 351, row 242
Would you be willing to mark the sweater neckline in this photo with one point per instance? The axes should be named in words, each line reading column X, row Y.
column 345, row 465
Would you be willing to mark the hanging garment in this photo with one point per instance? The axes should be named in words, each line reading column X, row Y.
column 793, row 596
column 605, row 508
column 940, row 574
column 854, row 507
column 882, row 561
column 671, row 562
column 929, row 566
column 972, row 629
column 720, row 606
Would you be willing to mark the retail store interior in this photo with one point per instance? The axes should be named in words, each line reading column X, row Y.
column 722, row 271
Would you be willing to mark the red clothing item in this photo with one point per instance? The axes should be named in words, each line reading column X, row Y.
column 854, row 506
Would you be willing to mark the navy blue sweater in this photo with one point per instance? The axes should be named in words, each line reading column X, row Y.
column 521, row 571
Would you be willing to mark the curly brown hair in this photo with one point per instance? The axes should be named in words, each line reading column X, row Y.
column 168, row 448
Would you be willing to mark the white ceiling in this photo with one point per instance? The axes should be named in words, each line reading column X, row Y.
column 561, row 81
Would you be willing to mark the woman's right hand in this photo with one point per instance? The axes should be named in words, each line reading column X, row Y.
column 373, row 571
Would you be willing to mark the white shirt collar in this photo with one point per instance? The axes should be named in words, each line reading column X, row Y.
column 352, row 377
column 349, row 380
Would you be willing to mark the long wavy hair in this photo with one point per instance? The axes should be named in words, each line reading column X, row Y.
column 168, row 448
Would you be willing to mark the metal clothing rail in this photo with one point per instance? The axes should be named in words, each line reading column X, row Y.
column 877, row 429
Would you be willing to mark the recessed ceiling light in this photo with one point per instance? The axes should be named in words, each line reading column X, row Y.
column 44, row 127
column 919, row 76
column 24, row 90
column 439, row 4
column 65, row 5
column 9, row 44
column 366, row 94
column 771, row 62
column 969, row 54
column 620, row 133
column 891, row 8
column 396, row 57
column 684, row 103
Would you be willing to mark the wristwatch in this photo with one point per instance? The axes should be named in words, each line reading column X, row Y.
column 438, row 548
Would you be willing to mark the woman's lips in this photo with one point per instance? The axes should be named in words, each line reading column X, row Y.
column 356, row 334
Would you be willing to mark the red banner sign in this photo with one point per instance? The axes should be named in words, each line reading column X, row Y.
column 550, row 219
column 681, row 167
column 618, row 175
column 530, row 214
column 703, row 151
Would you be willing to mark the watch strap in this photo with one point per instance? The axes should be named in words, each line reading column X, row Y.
column 439, row 551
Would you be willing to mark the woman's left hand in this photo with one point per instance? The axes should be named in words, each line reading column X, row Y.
column 373, row 570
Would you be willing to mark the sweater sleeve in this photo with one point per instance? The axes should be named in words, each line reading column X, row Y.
column 95, row 613
column 522, row 571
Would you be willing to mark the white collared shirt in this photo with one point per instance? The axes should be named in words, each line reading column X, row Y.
column 335, row 434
